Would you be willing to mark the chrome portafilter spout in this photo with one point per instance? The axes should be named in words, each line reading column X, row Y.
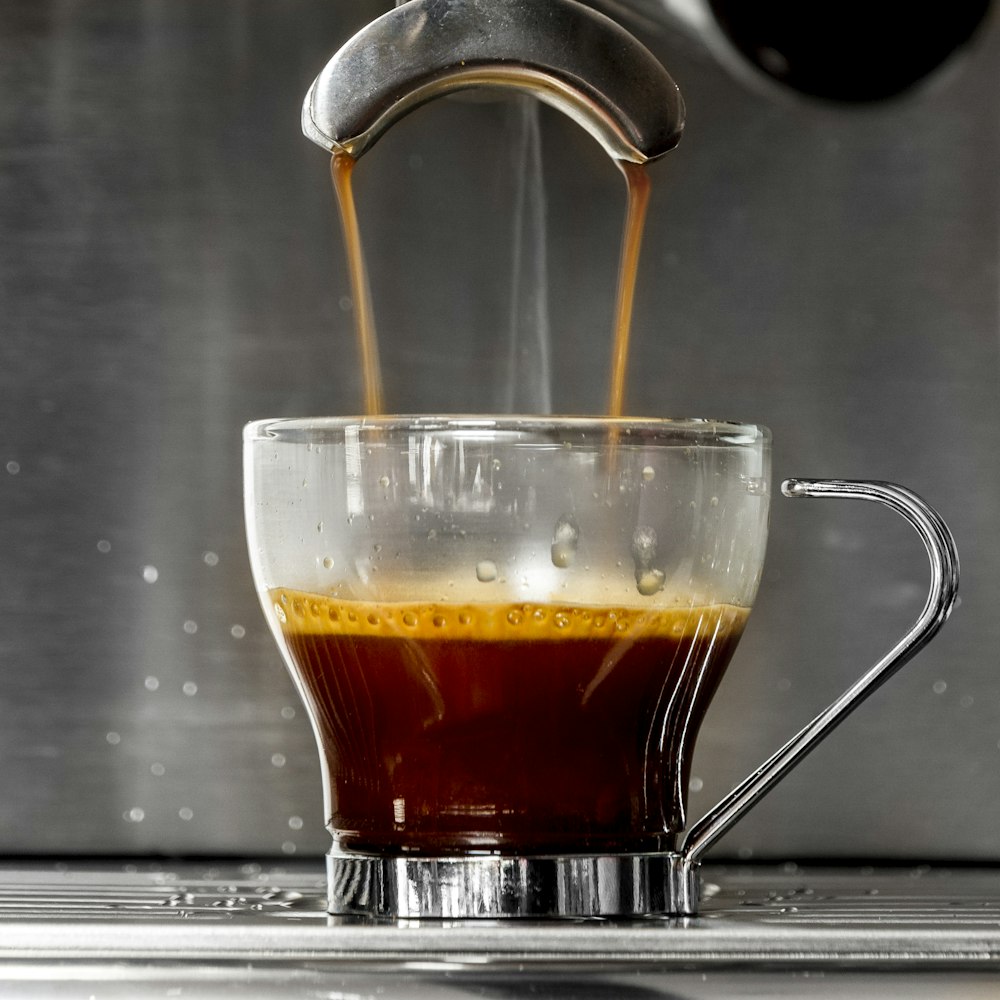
column 563, row 52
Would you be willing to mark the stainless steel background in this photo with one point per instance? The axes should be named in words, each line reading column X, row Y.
column 170, row 268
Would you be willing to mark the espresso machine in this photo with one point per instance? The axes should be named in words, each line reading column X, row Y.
column 820, row 257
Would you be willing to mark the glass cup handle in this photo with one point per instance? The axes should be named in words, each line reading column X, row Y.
column 943, row 557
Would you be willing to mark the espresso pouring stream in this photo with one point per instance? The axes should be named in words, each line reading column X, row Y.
column 638, row 185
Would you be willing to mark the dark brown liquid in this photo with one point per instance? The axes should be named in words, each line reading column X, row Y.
column 341, row 171
column 637, row 181
column 515, row 728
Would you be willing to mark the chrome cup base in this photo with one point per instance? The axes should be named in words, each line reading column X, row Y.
column 489, row 886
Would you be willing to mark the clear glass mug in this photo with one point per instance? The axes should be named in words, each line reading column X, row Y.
column 507, row 631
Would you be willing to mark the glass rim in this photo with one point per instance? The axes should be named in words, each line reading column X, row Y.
column 693, row 428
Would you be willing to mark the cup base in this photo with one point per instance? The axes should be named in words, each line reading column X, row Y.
column 491, row 886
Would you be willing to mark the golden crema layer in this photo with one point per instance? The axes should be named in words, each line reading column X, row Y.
column 313, row 614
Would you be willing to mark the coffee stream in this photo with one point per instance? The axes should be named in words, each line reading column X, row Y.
column 637, row 180
column 341, row 171
column 638, row 187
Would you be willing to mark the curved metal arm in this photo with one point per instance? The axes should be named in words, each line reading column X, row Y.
column 563, row 52
column 943, row 557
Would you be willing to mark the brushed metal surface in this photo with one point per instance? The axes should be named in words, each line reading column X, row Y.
column 169, row 269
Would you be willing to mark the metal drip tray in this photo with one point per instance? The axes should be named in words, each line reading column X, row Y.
column 137, row 930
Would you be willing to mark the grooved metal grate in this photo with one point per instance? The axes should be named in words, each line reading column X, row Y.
column 752, row 914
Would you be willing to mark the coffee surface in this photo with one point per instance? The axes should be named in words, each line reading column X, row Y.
column 518, row 728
